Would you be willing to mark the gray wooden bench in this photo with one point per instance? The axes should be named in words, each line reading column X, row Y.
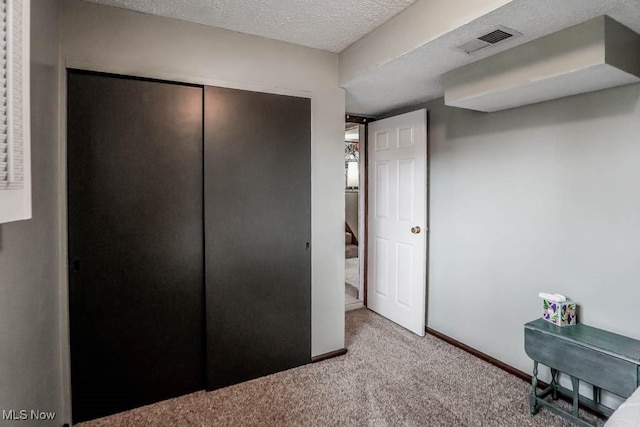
column 603, row 359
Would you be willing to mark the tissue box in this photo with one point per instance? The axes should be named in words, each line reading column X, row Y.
column 559, row 313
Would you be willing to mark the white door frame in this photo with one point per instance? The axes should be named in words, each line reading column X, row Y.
column 362, row 213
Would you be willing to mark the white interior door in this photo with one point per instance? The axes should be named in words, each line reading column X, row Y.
column 398, row 219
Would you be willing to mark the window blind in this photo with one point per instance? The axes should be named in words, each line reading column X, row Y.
column 4, row 146
column 15, row 117
column 11, row 96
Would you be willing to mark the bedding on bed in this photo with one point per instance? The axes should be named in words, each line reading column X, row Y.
column 628, row 414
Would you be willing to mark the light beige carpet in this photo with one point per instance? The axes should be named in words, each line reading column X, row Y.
column 389, row 377
column 351, row 302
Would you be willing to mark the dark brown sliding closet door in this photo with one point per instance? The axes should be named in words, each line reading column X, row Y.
column 135, row 242
column 257, row 234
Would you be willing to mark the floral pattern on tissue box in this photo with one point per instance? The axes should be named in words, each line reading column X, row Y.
column 559, row 313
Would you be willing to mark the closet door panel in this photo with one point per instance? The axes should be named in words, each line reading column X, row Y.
column 257, row 234
column 135, row 242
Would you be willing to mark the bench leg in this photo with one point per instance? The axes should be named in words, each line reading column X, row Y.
column 554, row 383
column 534, row 384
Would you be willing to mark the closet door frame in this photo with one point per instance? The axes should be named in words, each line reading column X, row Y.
column 107, row 67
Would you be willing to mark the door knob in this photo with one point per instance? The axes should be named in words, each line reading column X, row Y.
column 415, row 230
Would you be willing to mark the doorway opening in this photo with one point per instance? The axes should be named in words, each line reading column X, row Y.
column 354, row 214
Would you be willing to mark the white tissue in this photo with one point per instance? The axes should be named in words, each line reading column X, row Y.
column 552, row 297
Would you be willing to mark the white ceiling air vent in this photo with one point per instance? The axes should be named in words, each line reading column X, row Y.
column 491, row 37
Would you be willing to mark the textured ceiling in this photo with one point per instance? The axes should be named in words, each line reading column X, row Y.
column 416, row 76
column 330, row 25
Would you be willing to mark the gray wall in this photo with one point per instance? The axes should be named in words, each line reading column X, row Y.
column 540, row 198
column 351, row 210
column 30, row 373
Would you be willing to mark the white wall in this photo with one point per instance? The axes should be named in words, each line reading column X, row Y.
column 351, row 199
column 115, row 40
column 539, row 198
column 30, row 371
